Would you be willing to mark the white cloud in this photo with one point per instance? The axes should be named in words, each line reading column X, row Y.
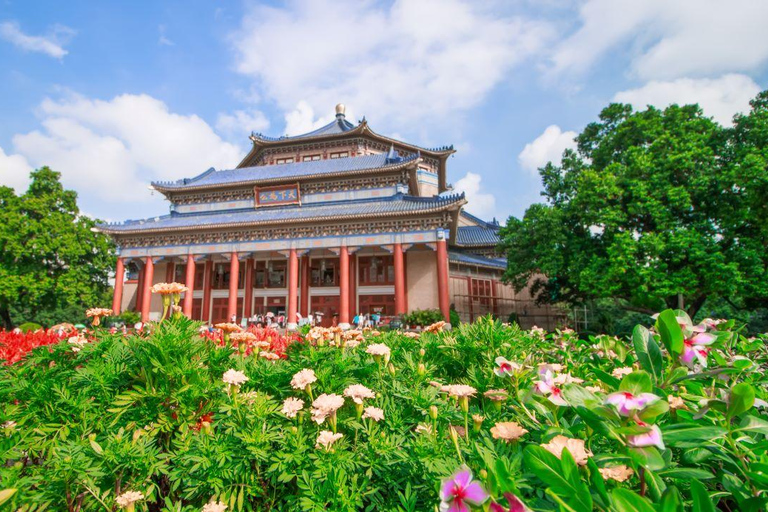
column 479, row 203
column 547, row 147
column 410, row 61
column 14, row 171
column 163, row 39
column 666, row 40
column 108, row 151
column 240, row 123
column 720, row 98
column 52, row 44
column 302, row 119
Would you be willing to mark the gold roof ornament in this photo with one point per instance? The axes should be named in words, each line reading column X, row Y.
column 340, row 109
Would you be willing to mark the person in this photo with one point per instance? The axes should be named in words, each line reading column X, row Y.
column 356, row 320
column 298, row 318
column 375, row 319
column 233, row 319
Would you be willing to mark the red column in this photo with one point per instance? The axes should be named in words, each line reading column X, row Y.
column 206, row 310
column 117, row 299
column 293, row 287
column 190, row 284
column 146, row 295
column 344, row 287
column 248, row 288
column 442, row 279
column 170, row 272
column 399, row 280
column 140, row 288
column 234, row 274
column 304, row 307
column 352, row 285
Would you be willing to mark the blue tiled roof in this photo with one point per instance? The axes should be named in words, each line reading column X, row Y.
column 338, row 125
column 263, row 173
column 477, row 235
column 474, row 259
column 393, row 205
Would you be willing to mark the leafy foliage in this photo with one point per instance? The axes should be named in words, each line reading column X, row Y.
column 653, row 207
column 52, row 266
column 150, row 413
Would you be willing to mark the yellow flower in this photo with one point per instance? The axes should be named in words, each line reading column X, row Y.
column 507, row 431
column 619, row 473
column 168, row 288
column 574, row 446
column 96, row 314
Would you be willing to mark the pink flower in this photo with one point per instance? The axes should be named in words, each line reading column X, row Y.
column 626, row 402
column 459, row 491
column 515, row 505
column 695, row 348
column 546, row 386
column 505, row 368
column 650, row 438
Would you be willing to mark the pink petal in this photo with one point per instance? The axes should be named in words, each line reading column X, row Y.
column 446, row 492
column 644, row 399
column 462, row 477
column 543, row 387
column 687, row 356
column 475, row 494
column 618, row 399
column 704, row 338
column 557, row 399
column 458, row 506
column 515, row 505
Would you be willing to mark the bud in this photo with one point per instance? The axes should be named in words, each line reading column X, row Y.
column 421, row 370
column 464, row 403
column 391, row 369
column 483, row 474
column 433, row 412
column 206, row 428
column 477, row 421
column 454, row 435
column 422, row 352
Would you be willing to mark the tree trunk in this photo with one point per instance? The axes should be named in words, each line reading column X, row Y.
column 695, row 306
column 5, row 317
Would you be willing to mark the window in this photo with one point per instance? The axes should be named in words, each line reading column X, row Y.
column 287, row 160
column 199, row 275
column 311, row 158
column 340, row 154
column 180, row 273
column 270, row 274
column 382, row 304
column 481, row 291
column 221, row 276
column 376, row 270
column 324, row 272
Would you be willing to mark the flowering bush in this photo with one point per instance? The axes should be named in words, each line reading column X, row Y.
column 15, row 345
column 484, row 417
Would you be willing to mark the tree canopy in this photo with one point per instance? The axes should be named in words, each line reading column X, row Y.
column 653, row 207
column 52, row 266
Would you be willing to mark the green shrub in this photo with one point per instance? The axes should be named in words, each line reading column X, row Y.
column 30, row 326
column 422, row 317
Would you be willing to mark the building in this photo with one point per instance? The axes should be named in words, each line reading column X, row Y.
column 340, row 220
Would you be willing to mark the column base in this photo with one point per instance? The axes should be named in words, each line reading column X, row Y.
column 344, row 326
column 292, row 327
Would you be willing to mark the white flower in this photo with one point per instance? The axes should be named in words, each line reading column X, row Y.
column 326, row 439
column 378, row 349
column 575, row 446
column 357, row 392
column 77, row 343
column 303, row 379
column 234, row 377
column 129, row 498
column 566, row 378
column 373, row 413
column 214, row 506
column 621, row 372
column 459, row 390
column 325, row 405
column 292, row 406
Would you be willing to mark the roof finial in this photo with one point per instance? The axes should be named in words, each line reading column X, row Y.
column 340, row 109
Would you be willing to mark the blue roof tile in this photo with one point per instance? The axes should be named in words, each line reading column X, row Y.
column 477, row 235
column 338, row 125
column 474, row 259
column 395, row 204
column 212, row 177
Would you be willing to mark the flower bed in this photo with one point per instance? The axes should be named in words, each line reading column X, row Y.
column 14, row 345
column 485, row 417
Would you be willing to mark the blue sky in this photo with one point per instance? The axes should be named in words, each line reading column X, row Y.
column 117, row 94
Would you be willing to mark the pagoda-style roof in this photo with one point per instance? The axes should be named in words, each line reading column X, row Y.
column 341, row 129
column 269, row 174
column 477, row 236
column 476, row 260
column 394, row 206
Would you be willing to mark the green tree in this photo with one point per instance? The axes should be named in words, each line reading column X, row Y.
column 653, row 208
column 52, row 266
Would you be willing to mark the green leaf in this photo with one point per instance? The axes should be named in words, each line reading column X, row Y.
column 741, row 399
column 637, row 382
column 686, row 473
column 685, row 435
column 670, row 331
column 671, row 500
column 648, row 352
column 701, row 500
column 625, row 500
column 648, row 457
column 6, row 494
column 753, row 424
column 549, row 470
column 655, row 409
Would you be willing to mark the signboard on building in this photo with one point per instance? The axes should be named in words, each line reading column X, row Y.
column 273, row 196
